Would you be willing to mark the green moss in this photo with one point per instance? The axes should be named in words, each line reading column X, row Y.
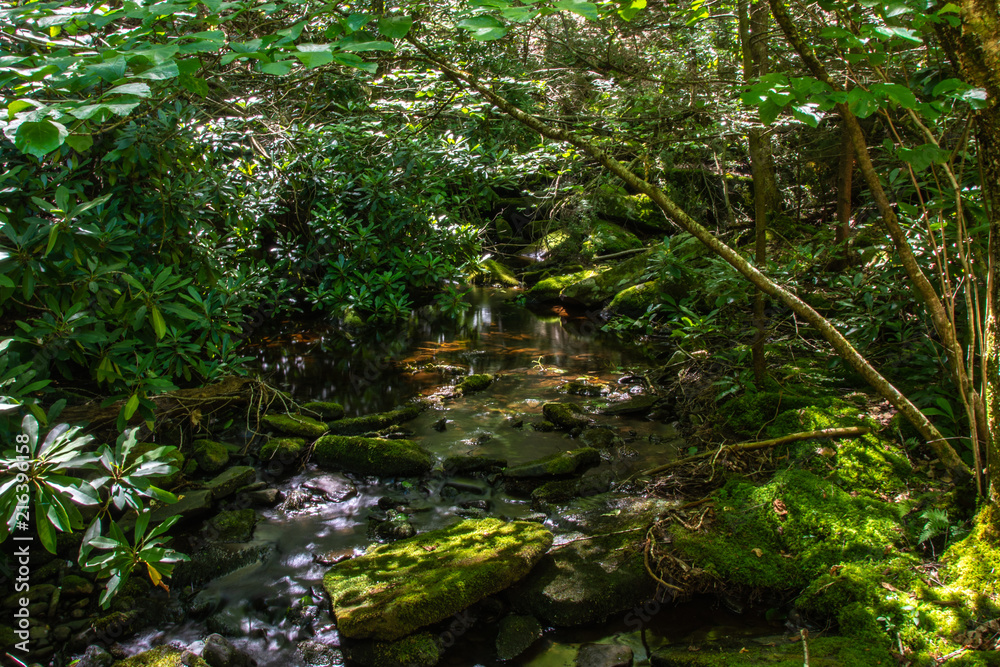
column 586, row 388
column 464, row 465
column 371, row 456
column 972, row 566
column 564, row 415
column 606, row 238
column 556, row 491
column 161, row 656
column 495, row 273
column 550, row 288
column 211, row 456
column 284, row 449
column 418, row 650
column 560, row 463
column 396, row 588
column 73, row 584
column 325, row 409
column 558, row 244
column 476, row 382
column 374, row 422
column 300, row 425
column 859, row 621
column 232, row 525
column 823, row 652
column 635, row 301
column 516, row 634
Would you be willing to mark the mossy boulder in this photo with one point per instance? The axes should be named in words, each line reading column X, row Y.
column 565, row 415
column 371, row 456
column 570, row 462
column 613, row 202
column 394, row 589
column 73, row 584
column 634, row 301
column 211, row 456
column 231, row 526
column 776, row 652
column 516, row 634
column 282, row 449
column 603, row 286
column 492, row 272
column 325, row 409
column 606, row 238
column 550, row 288
column 555, row 491
column 163, row 656
column 586, row 388
column 560, row 244
column 300, row 425
column 586, row 581
column 476, row 382
column 230, row 481
column 373, row 422
column 418, row 650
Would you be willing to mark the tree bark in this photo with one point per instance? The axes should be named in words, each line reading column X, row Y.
column 845, row 173
column 947, row 455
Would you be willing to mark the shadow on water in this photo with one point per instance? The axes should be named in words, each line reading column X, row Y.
column 261, row 605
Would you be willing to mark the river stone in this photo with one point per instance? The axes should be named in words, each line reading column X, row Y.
column 587, row 580
column 191, row 505
column 396, row 588
column 211, row 456
column 231, row 526
column 564, row 415
column 95, row 656
column 284, row 450
column 419, row 650
column 72, row 584
column 476, row 382
column 374, row 422
column 633, row 406
column 163, row 656
column 600, row 438
column 823, row 652
column 219, row 652
column 371, row 456
column 325, row 409
column 465, row 465
column 604, row 655
column 561, row 463
column 603, row 287
column 335, row 488
column 299, row 425
column 315, row 654
column 226, row 484
column 516, row 634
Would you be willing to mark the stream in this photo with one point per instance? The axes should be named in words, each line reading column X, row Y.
column 534, row 354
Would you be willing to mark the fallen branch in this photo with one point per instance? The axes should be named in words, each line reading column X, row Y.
column 849, row 431
column 620, row 254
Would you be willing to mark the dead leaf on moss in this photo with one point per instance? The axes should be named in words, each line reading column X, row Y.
column 779, row 508
column 757, row 552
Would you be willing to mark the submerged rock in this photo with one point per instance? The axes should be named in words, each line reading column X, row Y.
column 230, row 481
column 371, row 456
column 600, row 438
column 564, row 415
column 560, row 463
column 516, row 635
column 397, row 588
column 300, row 425
column 374, row 422
column 633, row 406
column 333, row 487
column 419, row 650
column 476, row 382
column 395, row 526
column 325, row 409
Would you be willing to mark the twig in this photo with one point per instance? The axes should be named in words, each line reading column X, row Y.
column 620, row 254
column 805, row 646
column 763, row 444
column 650, row 540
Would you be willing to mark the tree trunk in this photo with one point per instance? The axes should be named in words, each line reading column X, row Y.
column 845, row 173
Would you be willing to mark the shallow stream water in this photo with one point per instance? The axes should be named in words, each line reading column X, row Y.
column 535, row 354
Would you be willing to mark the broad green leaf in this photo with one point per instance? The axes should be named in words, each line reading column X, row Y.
column 110, row 70
column 587, row 10
column 976, row 97
column 46, row 533
column 195, row 84
column 924, row 156
column 367, row 46
column 280, row 68
column 356, row 22
column 629, row 8
column 312, row 59
column 769, row 112
column 395, row 27
column 41, row 138
column 907, row 34
column 159, row 325
column 861, row 102
column 290, row 34
column 131, row 406
column 483, row 28
column 81, row 143
column 137, row 89
column 356, row 61
column 166, row 70
column 20, row 105
column 898, row 93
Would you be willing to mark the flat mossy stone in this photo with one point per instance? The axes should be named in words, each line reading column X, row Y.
column 564, row 415
column 326, row 409
column 476, row 382
column 516, row 634
column 464, row 465
column 191, row 505
column 781, row 652
column 550, row 288
column 231, row 480
column 394, row 589
column 300, row 425
column 561, row 463
column 282, row 449
column 585, row 388
column 163, row 656
column 371, row 456
column 211, row 456
column 373, row 422
column 232, row 526
column 418, row 650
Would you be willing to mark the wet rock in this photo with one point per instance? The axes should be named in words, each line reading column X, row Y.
column 264, row 497
column 333, row 557
column 333, row 487
column 419, row 650
column 440, row 425
column 395, row 526
column 561, row 463
column 217, row 560
column 564, row 415
column 73, row 585
column 823, row 652
column 297, row 500
column 634, row 406
column 550, row 288
column 543, row 426
column 191, row 505
column 95, row 656
column 585, row 581
column 396, row 588
column 231, row 526
column 604, row 655
column 226, row 483
column 473, row 486
column 474, row 383
column 299, row 425
column 602, row 287
column 211, row 456
column 600, row 438
column 585, row 388
column 634, row 301
column 327, row 410
column 282, row 449
column 466, row 465
column 556, row 491
column 514, row 422
column 476, row 504
column 219, row 652
column 163, row 656
column 516, row 634
column 371, row 456
column 224, row 623
column 374, row 422
column 315, row 654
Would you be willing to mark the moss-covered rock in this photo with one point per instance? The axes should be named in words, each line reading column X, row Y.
column 73, row 584
column 606, row 238
column 419, row 650
column 300, row 425
column 163, row 656
column 635, row 301
column 550, row 288
column 232, row 526
column 612, row 201
column 600, row 438
column 282, row 449
column 476, row 382
column 560, row 244
column 781, row 652
column 211, row 456
column 371, row 456
column 397, row 588
column 493, row 272
column 465, row 465
column 555, row 491
column 516, row 634
column 564, row 415
column 373, row 422
column 570, row 462
column 325, row 409
column 230, row 481
column 637, row 405
column 586, row 388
